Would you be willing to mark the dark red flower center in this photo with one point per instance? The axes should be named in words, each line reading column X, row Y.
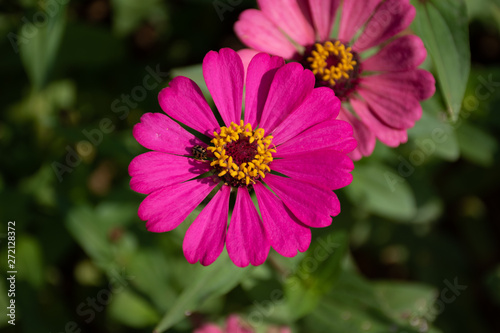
column 242, row 150
column 241, row 155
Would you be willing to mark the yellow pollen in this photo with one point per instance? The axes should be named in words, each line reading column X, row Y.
column 319, row 65
column 248, row 171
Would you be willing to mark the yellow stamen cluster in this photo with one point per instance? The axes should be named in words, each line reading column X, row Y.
column 319, row 65
column 248, row 171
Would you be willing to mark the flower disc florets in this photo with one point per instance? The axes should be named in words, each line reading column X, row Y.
column 335, row 65
column 241, row 155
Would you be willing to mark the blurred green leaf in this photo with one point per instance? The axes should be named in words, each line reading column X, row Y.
column 476, row 145
column 262, row 272
column 436, row 130
column 96, row 230
column 152, row 272
column 429, row 211
column 89, row 233
column 485, row 10
column 357, row 306
column 403, row 300
column 443, row 26
column 380, row 190
column 316, row 274
column 39, row 44
column 41, row 186
column 212, row 281
column 29, row 261
column 113, row 214
column 351, row 307
column 132, row 310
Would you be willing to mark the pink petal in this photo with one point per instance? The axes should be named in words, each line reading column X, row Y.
column 356, row 155
column 363, row 135
column 223, row 73
column 154, row 170
column 246, row 56
column 158, row 132
column 312, row 205
column 287, row 15
column 323, row 13
column 246, row 242
column 354, row 17
column 166, row 208
column 332, row 134
column 204, row 240
column 390, row 18
column 325, row 168
column 394, row 112
column 418, row 83
column 320, row 105
column 389, row 136
column 402, row 54
column 286, row 234
column 258, row 32
column 233, row 325
column 183, row 101
column 260, row 75
column 306, row 11
column 290, row 87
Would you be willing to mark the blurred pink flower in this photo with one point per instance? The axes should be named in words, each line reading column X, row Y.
column 380, row 93
column 288, row 126
column 235, row 325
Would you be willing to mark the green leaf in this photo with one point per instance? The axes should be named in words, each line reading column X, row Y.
column 316, row 274
column 429, row 211
column 152, row 271
column 93, row 229
column 40, row 186
column 39, row 44
column 402, row 300
column 351, row 307
column 212, row 281
column 477, row 145
column 85, row 228
column 29, row 260
column 132, row 310
column 443, row 27
column 356, row 305
column 380, row 190
column 435, row 133
column 486, row 10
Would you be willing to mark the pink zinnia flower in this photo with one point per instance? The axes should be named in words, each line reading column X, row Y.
column 288, row 127
column 380, row 93
column 235, row 325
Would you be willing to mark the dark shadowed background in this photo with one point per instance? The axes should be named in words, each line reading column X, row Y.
column 416, row 247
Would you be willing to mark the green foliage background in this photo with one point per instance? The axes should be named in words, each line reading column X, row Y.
column 415, row 219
